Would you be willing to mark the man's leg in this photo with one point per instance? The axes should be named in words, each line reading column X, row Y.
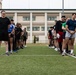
column 60, row 46
column 49, row 42
column 11, row 44
column 0, row 43
column 65, row 45
column 6, row 45
column 72, row 46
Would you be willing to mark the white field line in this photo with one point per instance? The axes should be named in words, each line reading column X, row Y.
column 71, row 55
column 32, row 55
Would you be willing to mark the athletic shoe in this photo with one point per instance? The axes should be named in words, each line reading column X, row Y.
column 15, row 51
column 52, row 47
column 7, row 54
column 49, row 46
column 56, row 49
column 25, row 46
column 63, row 54
column 21, row 47
column 11, row 52
column 72, row 54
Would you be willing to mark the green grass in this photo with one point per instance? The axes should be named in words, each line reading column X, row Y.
column 20, row 64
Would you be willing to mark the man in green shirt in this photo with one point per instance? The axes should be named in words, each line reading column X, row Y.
column 64, row 33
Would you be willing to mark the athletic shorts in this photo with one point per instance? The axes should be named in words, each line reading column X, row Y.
column 4, row 36
column 64, row 33
column 60, row 39
column 68, row 35
column 24, row 39
column 17, row 37
column 54, row 38
column 11, row 35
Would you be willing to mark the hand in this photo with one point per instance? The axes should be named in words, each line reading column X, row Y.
column 9, row 35
column 72, row 32
column 58, row 36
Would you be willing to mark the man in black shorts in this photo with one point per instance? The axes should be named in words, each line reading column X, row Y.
column 4, row 24
column 18, row 32
column 25, row 35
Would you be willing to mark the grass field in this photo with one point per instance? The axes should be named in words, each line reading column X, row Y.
column 36, row 59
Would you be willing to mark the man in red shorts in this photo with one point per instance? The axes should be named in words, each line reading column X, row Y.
column 50, row 37
column 59, row 31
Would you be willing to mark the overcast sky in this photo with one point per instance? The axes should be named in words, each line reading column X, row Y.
column 38, row 4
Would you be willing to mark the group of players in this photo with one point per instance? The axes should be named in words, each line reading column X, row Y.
column 13, row 36
column 62, row 35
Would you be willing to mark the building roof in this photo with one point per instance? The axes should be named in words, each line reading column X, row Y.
column 39, row 9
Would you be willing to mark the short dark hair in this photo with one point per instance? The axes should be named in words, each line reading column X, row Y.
column 55, row 20
column 51, row 27
column 2, row 11
column 12, row 20
column 73, row 14
column 63, row 17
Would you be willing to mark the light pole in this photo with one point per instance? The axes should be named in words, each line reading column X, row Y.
column 28, row 4
column 62, row 7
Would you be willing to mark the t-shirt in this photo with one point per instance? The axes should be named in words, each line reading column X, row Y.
column 4, row 22
column 11, row 28
column 18, row 31
column 25, row 34
column 58, row 26
column 50, row 32
column 71, row 24
column 64, row 25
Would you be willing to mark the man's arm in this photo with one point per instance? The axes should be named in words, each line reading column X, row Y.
column 64, row 28
column 72, row 32
column 67, row 28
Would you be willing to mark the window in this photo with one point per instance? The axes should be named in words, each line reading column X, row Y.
column 36, row 28
column 28, row 28
column 26, row 18
column 10, row 17
column 49, row 18
column 42, row 28
column 48, row 28
column 33, row 18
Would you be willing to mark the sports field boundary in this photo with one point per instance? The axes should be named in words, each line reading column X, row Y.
column 31, row 55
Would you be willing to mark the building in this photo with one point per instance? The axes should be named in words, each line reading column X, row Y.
column 37, row 21
column 0, row 4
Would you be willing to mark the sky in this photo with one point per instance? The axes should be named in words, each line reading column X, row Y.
column 38, row 4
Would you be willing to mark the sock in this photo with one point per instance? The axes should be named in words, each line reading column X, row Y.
column 72, row 50
column 11, row 50
column 64, row 50
column 6, row 51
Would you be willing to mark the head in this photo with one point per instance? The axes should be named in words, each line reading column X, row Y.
column 73, row 16
column 51, row 28
column 3, row 13
column 18, row 25
column 63, row 18
column 24, row 29
column 12, row 21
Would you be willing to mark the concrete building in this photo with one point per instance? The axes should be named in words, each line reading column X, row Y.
column 0, row 4
column 37, row 21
